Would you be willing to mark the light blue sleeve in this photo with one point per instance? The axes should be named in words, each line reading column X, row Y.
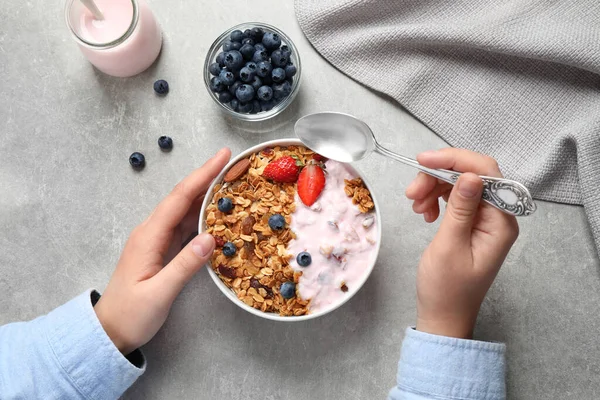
column 64, row 355
column 438, row 367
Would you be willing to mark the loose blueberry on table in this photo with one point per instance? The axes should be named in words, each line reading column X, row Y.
column 259, row 59
column 165, row 143
column 161, row 87
column 137, row 160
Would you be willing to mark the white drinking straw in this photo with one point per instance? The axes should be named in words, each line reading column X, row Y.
column 90, row 5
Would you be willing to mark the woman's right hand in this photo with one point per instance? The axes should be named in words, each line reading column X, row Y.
column 464, row 257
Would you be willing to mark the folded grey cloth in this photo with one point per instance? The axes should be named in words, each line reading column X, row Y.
column 518, row 80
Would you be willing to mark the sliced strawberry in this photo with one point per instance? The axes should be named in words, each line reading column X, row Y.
column 310, row 184
column 318, row 157
column 284, row 169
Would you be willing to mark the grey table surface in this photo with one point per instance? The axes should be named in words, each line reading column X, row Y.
column 69, row 200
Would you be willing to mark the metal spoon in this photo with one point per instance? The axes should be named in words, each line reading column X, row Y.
column 344, row 138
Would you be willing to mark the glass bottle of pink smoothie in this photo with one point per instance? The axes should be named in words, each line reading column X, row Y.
column 126, row 42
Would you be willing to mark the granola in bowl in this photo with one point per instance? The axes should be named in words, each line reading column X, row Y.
column 296, row 235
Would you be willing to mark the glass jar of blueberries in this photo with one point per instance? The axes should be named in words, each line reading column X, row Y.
column 252, row 71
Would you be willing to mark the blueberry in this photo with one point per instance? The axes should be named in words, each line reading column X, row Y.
column 256, row 83
column 165, row 143
column 249, row 41
column 258, row 34
column 225, row 204
column 290, row 70
column 246, row 75
column 245, row 107
column 286, row 51
column 251, row 66
column 282, row 90
column 271, row 41
column 260, row 56
column 249, row 34
column 264, row 68
column 220, row 59
column 276, row 222
column 234, row 87
column 287, row 289
column 236, row 36
column 229, row 45
column 234, row 60
column 278, row 59
column 216, row 85
column 256, row 107
column 267, row 105
column 215, row 69
column 227, row 77
column 265, row 93
column 290, row 80
column 137, row 160
column 229, row 249
column 259, row 47
column 245, row 93
column 304, row 259
column 247, row 51
column 278, row 75
column 225, row 96
column 161, row 87
column 235, row 105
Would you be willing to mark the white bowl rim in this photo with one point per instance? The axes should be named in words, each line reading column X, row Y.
column 228, row 292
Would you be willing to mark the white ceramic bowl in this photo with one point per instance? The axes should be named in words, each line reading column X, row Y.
column 229, row 293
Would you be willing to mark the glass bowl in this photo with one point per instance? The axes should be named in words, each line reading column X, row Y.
column 216, row 48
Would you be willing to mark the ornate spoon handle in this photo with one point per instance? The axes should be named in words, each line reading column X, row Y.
column 504, row 194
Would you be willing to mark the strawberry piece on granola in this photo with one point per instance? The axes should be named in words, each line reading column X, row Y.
column 284, row 169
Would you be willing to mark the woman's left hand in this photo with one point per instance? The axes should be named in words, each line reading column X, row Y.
column 153, row 267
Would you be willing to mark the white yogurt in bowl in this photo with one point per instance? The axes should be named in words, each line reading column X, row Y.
column 342, row 241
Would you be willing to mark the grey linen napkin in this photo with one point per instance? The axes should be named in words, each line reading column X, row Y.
column 518, row 80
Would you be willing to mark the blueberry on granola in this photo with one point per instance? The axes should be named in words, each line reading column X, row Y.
column 276, row 222
column 225, row 205
column 287, row 290
column 229, row 249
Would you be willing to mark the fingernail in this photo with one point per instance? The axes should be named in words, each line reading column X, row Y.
column 223, row 150
column 428, row 216
column 468, row 187
column 203, row 244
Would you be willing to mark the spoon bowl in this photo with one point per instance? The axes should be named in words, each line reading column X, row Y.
column 344, row 138
column 340, row 137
